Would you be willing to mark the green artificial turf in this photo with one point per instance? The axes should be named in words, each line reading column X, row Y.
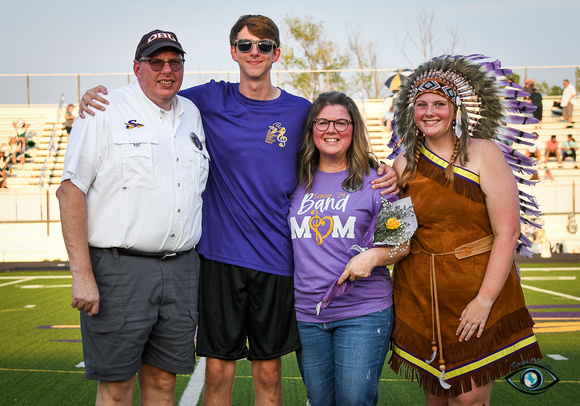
column 39, row 366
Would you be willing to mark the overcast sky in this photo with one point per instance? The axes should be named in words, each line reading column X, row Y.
column 100, row 36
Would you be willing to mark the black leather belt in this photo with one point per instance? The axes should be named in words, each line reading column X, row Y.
column 162, row 256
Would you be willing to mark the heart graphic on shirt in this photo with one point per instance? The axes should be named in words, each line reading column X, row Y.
column 317, row 222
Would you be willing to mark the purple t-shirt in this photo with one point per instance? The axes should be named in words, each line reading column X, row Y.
column 324, row 224
column 253, row 147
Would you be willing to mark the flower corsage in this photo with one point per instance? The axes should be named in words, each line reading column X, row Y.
column 393, row 226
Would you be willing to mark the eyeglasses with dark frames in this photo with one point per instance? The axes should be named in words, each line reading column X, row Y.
column 157, row 64
column 265, row 46
column 340, row 125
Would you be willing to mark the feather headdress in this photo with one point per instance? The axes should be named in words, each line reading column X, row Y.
column 486, row 101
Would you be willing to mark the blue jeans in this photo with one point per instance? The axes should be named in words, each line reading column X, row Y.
column 341, row 362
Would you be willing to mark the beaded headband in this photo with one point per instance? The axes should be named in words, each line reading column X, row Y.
column 434, row 85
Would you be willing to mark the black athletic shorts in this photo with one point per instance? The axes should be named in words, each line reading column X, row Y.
column 239, row 305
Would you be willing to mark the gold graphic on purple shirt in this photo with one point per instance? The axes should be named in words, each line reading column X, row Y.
column 316, row 222
column 276, row 133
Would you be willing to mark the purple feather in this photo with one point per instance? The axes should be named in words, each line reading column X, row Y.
column 512, row 93
column 332, row 293
column 529, row 204
column 510, row 152
column 509, row 84
column 527, row 242
column 515, row 139
column 528, row 196
column 522, row 169
column 501, row 72
column 476, row 57
column 525, row 181
column 510, row 119
column 511, row 103
column 523, row 251
column 393, row 142
column 490, row 66
column 397, row 151
column 530, row 211
column 530, row 222
column 522, row 109
column 516, row 133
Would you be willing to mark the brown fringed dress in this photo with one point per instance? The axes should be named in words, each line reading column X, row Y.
column 451, row 215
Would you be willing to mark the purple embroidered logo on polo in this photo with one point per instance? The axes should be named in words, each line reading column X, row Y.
column 133, row 124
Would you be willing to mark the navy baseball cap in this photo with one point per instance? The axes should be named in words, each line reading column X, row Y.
column 155, row 40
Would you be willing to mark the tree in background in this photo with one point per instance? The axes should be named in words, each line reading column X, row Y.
column 544, row 88
column 426, row 41
column 365, row 57
column 514, row 77
column 315, row 53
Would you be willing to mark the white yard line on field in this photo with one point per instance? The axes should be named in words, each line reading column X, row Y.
column 14, row 282
column 37, row 277
column 551, row 292
column 192, row 392
column 548, row 278
column 526, row 269
column 19, row 279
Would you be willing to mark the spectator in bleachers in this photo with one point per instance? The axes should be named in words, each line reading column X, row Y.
column 566, row 102
column 19, row 144
column 528, row 86
column 569, row 148
column 21, row 127
column 534, row 151
column 387, row 117
column 552, row 150
column 4, row 152
column 536, row 99
column 69, row 119
column 17, row 150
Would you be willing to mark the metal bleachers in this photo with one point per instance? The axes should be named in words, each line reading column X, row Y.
column 42, row 119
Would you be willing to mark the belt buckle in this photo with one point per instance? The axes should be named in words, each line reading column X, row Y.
column 167, row 255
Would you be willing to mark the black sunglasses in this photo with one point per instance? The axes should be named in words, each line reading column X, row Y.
column 265, row 46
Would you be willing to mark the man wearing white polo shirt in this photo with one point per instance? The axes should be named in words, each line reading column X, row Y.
column 568, row 96
column 130, row 203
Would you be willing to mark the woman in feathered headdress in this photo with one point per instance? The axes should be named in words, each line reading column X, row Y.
column 458, row 297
